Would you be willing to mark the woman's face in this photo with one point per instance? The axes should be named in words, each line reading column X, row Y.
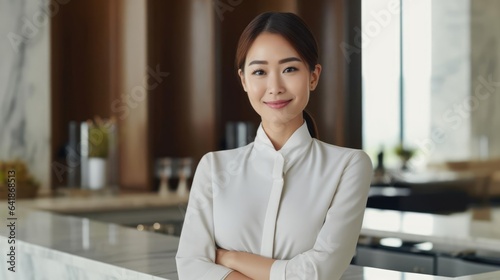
column 277, row 80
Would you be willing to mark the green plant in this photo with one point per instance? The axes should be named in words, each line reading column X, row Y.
column 98, row 140
column 22, row 174
column 404, row 153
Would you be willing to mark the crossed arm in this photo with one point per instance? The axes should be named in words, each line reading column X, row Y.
column 199, row 258
column 244, row 265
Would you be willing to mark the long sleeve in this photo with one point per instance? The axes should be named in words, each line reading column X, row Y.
column 196, row 254
column 335, row 245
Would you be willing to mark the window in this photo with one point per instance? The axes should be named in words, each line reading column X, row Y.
column 396, row 38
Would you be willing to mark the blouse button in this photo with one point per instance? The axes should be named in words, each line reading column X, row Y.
column 278, row 166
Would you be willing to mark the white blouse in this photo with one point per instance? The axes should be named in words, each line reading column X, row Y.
column 302, row 205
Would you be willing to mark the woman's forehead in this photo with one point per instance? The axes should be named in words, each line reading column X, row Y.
column 270, row 46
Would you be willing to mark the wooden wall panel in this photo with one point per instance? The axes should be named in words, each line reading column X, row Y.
column 181, row 41
column 130, row 106
column 336, row 103
column 81, row 71
column 167, row 45
column 354, row 92
column 202, row 73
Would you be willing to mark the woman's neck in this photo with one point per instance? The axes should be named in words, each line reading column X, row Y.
column 279, row 133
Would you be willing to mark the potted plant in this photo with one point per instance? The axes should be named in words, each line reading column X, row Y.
column 405, row 155
column 98, row 154
column 23, row 182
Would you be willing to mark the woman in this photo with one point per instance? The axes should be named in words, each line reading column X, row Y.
column 286, row 206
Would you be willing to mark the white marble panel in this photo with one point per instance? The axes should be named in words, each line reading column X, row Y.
column 450, row 80
column 25, row 84
column 485, row 76
column 466, row 79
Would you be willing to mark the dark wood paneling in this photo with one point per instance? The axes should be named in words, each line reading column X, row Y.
column 326, row 103
column 132, row 105
column 81, row 68
column 182, row 108
column 167, row 45
column 336, row 103
column 354, row 82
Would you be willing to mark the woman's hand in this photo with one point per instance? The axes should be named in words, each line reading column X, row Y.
column 224, row 257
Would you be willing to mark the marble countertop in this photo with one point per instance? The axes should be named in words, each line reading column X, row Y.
column 476, row 229
column 70, row 246
column 109, row 202
column 67, row 246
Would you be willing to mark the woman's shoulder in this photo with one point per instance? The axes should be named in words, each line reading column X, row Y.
column 342, row 152
column 334, row 148
column 230, row 153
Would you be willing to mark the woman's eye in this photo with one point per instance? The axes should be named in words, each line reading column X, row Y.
column 290, row 69
column 258, row 72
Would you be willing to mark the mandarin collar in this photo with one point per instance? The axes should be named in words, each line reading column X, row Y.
column 299, row 142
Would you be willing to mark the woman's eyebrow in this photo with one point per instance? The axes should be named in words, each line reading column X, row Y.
column 284, row 60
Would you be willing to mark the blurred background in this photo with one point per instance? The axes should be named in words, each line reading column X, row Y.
column 413, row 83
column 107, row 106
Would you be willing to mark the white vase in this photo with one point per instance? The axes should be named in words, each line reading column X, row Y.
column 97, row 173
column 182, row 189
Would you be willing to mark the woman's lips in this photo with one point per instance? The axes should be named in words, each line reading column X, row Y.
column 277, row 104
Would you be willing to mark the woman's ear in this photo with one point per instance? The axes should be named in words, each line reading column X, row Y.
column 315, row 77
column 242, row 78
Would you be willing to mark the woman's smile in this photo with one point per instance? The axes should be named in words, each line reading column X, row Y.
column 277, row 104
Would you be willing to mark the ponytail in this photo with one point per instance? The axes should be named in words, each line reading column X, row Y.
column 311, row 124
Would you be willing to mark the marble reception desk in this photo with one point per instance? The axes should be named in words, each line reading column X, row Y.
column 475, row 229
column 55, row 246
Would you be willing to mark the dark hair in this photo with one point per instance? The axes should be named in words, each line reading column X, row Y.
column 295, row 31
column 288, row 25
column 311, row 124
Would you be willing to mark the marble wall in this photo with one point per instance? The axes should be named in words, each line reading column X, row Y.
column 25, row 84
column 485, row 77
column 465, row 85
column 450, row 80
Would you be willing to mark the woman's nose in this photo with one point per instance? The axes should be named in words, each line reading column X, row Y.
column 275, row 84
